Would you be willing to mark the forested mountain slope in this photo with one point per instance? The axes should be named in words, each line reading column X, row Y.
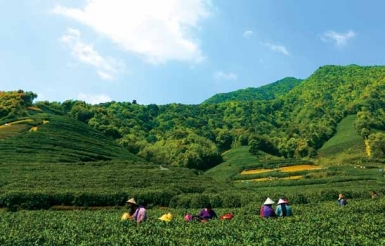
column 266, row 92
column 330, row 94
column 295, row 124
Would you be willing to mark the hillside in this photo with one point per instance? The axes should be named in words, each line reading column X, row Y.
column 346, row 146
column 336, row 91
column 46, row 138
column 51, row 160
column 295, row 121
column 75, row 153
column 266, row 92
column 342, row 165
column 240, row 159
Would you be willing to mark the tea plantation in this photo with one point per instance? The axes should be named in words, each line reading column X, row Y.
column 359, row 223
column 64, row 183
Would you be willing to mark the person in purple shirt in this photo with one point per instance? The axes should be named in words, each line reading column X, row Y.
column 140, row 214
column 206, row 214
column 267, row 210
column 342, row 200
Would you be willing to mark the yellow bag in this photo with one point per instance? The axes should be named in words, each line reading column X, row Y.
column 166, row 217
column 126, row 216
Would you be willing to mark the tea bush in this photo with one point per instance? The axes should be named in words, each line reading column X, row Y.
column 359, row 223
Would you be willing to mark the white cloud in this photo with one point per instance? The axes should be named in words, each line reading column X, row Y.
column 340, row 39
column 277, row 48
column 247, row 34
column 93, row 98
column 159, row 31
column 105, row 75
column 107, row 68
column 225, row 76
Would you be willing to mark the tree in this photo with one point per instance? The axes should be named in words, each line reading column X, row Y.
column 264, row 144
column 377, row 144
column 28, row 97
column 224, row 140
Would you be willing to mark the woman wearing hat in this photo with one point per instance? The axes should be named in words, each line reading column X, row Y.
column 132, row 206
column 266, row 209
column 206, row 214
column 374, row 195
column 283, row 209
column 342, row 200
column 140, row 214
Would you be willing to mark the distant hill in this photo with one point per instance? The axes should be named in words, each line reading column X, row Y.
column 47, row 138
column 290, row 118
column 330, row 94
column 74, row 153
column 266, row 92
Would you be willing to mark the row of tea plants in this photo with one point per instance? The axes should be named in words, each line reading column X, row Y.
column 359, row 223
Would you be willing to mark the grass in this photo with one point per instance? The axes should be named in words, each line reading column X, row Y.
column 283, row 169
column 346, row 133
column 299, row 168
column 33, row 108
column 257, row 171
column 233, row 163
column 345, row 146
column 270, row 179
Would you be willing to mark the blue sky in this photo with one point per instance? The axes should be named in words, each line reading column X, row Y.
column 182, row 51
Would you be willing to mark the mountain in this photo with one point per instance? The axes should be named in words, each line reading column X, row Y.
column 293, row 122
column 74, row 153
column 266, row 92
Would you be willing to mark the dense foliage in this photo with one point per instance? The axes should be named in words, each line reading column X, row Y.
column 266, row 92
column 290, row 118
column 14, row 104
column 335, row 117
column 295, row 118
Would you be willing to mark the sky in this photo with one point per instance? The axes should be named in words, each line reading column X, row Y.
column 178, row 51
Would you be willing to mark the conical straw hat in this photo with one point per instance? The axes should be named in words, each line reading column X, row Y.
column 268, row 201
column 280, row 201
column 132, row 200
